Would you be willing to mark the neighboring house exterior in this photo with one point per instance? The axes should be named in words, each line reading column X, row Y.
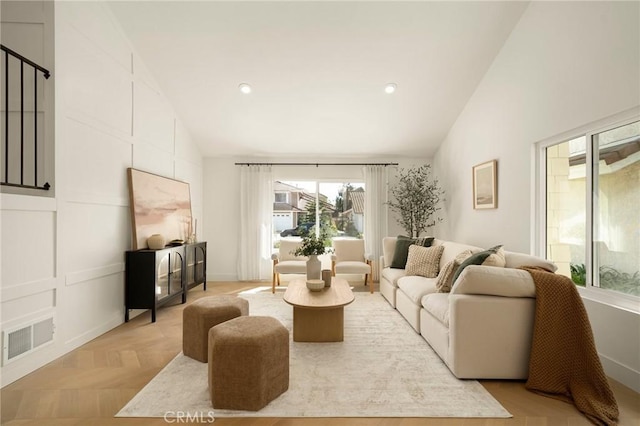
column 356, row 212
column 290, row 205
column 286, row 204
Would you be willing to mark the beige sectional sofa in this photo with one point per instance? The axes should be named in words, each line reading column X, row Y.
column 482, row 329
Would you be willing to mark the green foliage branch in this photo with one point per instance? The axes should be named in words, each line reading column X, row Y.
column 415, row 199
column 311, row 245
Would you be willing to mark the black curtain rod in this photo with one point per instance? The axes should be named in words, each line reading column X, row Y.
column 316, row 164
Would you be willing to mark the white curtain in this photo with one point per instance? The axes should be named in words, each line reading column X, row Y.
column 375, row 212
column 256, row 211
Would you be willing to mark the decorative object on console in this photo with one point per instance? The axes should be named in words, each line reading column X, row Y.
column 485, row 188
column 415, row 198
column 158, row 205
column 155, row 242
column 155, row 277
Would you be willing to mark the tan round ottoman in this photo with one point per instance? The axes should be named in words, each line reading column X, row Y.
column 248, row 363
column 201, row 315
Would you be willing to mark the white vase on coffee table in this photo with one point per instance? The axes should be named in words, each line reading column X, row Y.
column 314, row 267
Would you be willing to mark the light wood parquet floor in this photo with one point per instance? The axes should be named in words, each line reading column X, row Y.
column 89, row 385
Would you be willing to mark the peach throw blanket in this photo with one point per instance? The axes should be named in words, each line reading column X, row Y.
column 564, row 363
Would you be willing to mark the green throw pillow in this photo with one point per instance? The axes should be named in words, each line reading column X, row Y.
column 474, row 259
column 402, row 249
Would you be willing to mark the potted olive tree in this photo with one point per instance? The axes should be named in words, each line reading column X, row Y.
column 415, row 198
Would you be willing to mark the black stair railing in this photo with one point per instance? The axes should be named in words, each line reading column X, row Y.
column 8, row 145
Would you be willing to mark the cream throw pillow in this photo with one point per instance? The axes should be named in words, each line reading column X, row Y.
column 496, row 259
column 445, row 277
column 424, row 261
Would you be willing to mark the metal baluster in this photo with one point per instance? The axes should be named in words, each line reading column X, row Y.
column 35, row 127
column 6, row 117
column 21, row 122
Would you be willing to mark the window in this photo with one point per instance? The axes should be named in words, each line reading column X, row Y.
column 591, row 185
column 280, row 197
column 337, row 206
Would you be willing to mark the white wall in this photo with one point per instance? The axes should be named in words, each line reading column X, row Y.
column 66, row 256
column 566, row 64
column 222, row 200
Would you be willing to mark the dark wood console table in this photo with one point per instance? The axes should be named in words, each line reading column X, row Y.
column 156, row 277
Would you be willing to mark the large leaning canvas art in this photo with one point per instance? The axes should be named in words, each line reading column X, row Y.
column 159, row 205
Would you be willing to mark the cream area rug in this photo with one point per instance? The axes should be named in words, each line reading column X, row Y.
column 382, row 369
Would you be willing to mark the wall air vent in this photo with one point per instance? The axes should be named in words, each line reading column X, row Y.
column 19, row 341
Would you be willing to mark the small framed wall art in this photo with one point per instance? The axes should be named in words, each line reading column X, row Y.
column 485, row 185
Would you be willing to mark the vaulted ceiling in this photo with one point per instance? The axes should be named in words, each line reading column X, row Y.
column 318, row 71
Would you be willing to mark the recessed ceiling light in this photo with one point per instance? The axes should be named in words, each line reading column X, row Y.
column 390, row 88
column 245, row 88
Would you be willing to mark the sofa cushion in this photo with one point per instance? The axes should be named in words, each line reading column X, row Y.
column 388, row 249
column 424, row 261
column 415, row 287
column 491, row 281
column 475, row 259
column 496, row 259
column 401, row 251
column 437, row 304
column 393, row 275
column 518, row 260
column 445, row 277
column 452, row 249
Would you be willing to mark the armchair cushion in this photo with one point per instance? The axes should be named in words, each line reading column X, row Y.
column 287, row 247
column 352, row 267
column 348, row 250
column 291, row 267
column 401, row 251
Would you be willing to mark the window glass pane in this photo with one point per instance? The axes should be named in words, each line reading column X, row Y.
column 340, row 209
column 289, row 209
column 347, row 202
column 616, row 222
column 566, row 213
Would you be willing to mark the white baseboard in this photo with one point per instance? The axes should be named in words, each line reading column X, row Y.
column 621, row 373
column 222, row 277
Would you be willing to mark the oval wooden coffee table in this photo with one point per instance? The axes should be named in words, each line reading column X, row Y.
column 318, row 316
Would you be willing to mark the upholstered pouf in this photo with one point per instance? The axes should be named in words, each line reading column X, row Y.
column 248, row 363
column 201, row 315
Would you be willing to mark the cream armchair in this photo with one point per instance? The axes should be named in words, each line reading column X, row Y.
column 349, row 258
column 285, row 262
